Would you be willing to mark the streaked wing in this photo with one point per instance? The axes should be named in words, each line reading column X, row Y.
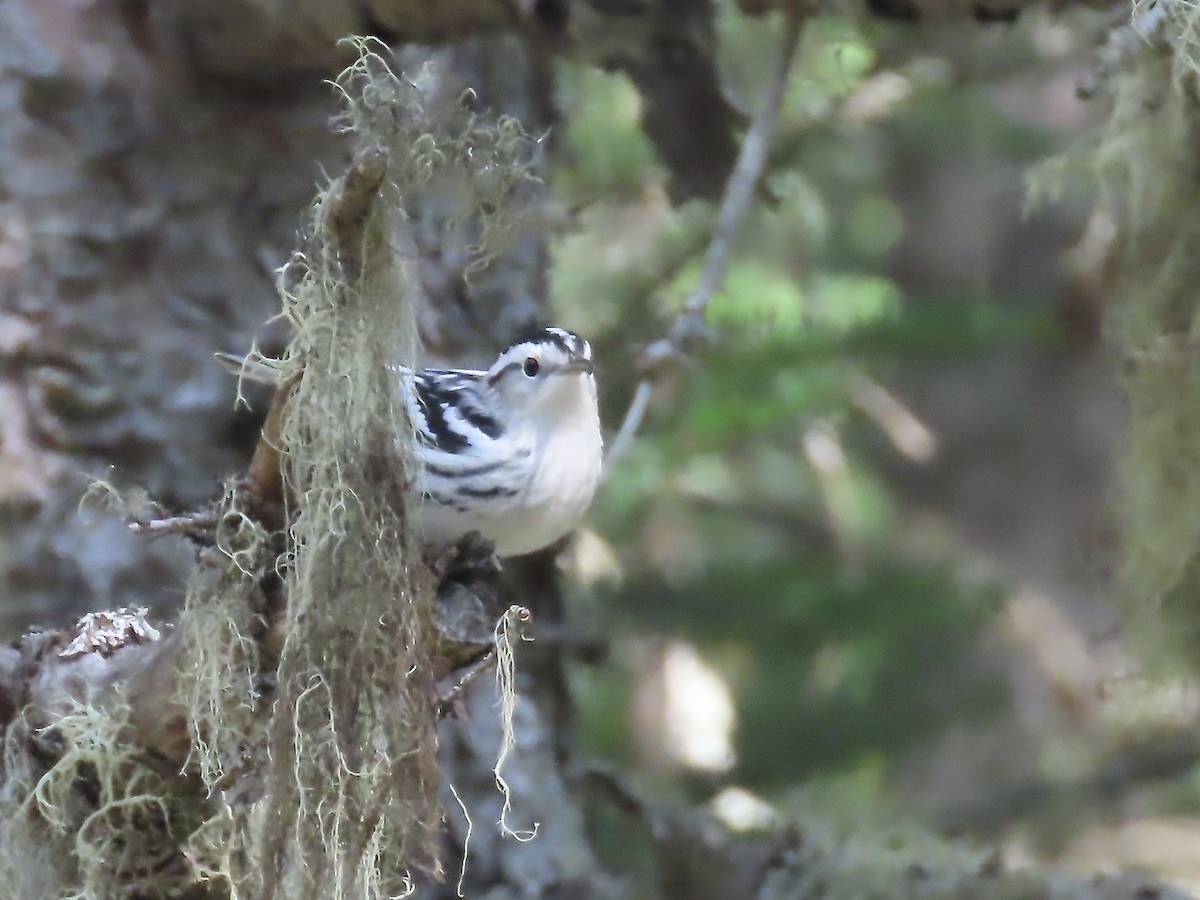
column 453, row 413
column 466, row 453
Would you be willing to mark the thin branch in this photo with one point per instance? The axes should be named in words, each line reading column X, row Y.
column 907, row 433
column 630, row 425
column 185, row 524
column 449, row 692
column 351, row 206
column 689, row 332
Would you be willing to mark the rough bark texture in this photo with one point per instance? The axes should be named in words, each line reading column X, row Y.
column 145, row 205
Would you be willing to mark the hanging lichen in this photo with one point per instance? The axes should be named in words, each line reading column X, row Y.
column 300, row 701
column 349, row 793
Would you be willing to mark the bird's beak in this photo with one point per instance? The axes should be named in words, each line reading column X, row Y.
column 576, row 366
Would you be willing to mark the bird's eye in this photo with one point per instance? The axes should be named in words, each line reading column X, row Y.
column 531, row 367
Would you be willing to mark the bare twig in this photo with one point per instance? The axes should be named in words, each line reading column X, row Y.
column 186, row 524
column 630, row 425
column 689, row 331
column 449, row 691
column 908, row 434
column 351, row 207
column 612, row 786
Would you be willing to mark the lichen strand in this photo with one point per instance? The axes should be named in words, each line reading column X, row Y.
column 305, row 669
column 1147, row 164
column 351, row 792
column 228, row 703
column 84, row 810
column 86, row 813
column 351, row 786
column 458, row 171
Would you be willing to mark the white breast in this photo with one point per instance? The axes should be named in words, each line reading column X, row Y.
column 558, row 478
column 566, row 474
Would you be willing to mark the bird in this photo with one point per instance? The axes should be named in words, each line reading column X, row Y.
column 512, row 452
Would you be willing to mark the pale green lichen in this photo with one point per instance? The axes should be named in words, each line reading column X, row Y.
column 313, row 773
column 349, row 792
column 103, row 813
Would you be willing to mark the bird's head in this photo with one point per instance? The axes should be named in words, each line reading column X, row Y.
column 550, row 372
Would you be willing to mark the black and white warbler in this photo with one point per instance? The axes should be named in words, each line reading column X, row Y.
column 512, row 452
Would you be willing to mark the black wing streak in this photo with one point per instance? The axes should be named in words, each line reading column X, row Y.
column 477, row 418
column 484, row 469
column 488, row 493
column 442, row 500
column 443, row 472
column 433, row 402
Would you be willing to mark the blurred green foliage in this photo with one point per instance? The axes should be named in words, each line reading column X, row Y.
column 750, row 517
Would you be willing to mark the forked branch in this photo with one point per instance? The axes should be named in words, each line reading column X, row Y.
column 689, row 333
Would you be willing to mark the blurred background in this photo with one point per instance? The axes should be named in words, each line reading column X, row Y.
column 860, row 562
